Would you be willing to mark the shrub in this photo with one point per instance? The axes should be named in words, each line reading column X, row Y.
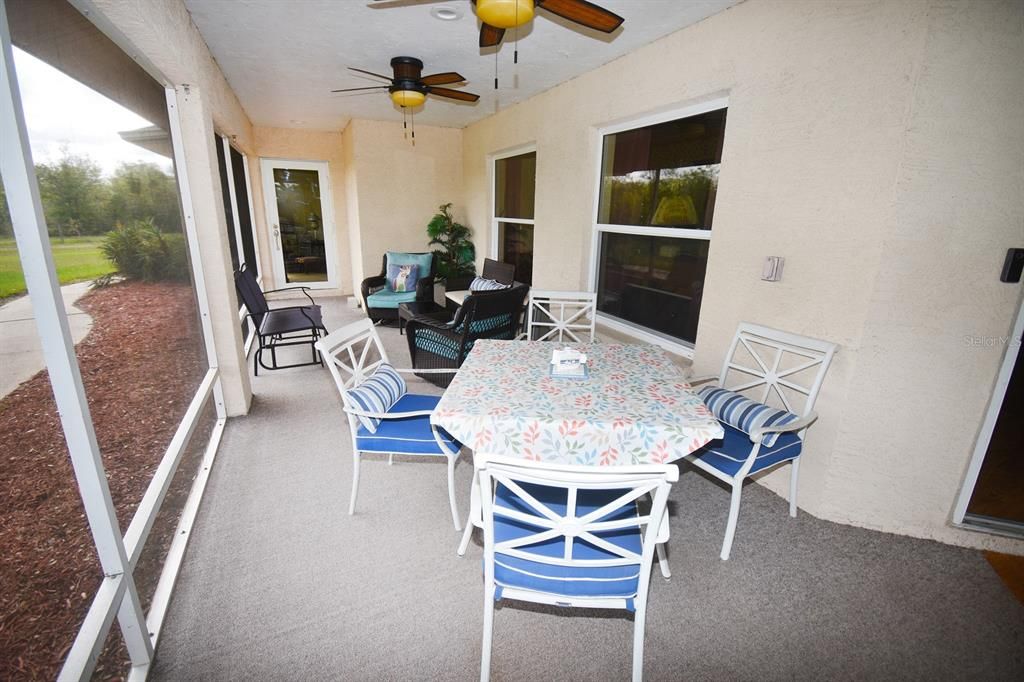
column 141, row 251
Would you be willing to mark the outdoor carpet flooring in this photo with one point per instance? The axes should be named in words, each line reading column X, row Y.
column 280, row 583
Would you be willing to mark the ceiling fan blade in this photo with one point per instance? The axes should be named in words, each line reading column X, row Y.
column 453, row 94
column 372, row 87
column 584, row 13
column 443, row 78
column 370, row 73
column 490, row 35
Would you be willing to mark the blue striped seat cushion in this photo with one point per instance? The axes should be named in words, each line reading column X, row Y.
column 408, row 435
column 727, row 454
column 593, row 581
column 743, row 413
column 484, row 284
column 377, row 393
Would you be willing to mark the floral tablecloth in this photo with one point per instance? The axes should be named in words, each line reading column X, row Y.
column 635, row 407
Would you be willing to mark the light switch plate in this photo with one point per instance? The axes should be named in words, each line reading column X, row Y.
column 772, row 268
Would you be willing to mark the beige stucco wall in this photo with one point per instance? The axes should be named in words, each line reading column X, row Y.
column 921, row 387
column 307, row 145
column 878, row 146
column 162, row 34
column 396, row 188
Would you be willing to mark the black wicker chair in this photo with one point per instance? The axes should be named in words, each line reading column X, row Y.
column 459, row 286
column 483, row 315
column 373, row 285
column 279, row 327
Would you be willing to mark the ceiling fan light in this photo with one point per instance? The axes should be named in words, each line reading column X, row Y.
column 504, row 13
column 408, row 98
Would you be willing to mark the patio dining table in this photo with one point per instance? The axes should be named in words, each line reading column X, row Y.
column 635, row 406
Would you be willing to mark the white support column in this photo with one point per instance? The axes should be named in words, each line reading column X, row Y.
column 206, row 223
column 18, row 172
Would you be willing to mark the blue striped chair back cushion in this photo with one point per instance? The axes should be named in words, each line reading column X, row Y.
column 378, row 393
column 740, row 412
column 484, row 284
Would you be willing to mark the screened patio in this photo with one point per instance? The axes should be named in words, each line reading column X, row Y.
column 191, row 518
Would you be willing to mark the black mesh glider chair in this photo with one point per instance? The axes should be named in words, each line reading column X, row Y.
column 483, row 315
column 381, row 301
column 279, row 327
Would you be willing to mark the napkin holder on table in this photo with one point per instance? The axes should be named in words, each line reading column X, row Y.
column 569, row 364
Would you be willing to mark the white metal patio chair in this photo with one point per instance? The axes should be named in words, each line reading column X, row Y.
column 569, row 535
column 555, row 315
column 784, row 369
column 354, row 355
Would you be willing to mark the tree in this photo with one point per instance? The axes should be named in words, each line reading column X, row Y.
column 142, row 191
column 74, row 195
column 6, row 229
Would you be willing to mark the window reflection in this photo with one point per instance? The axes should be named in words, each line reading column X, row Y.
column 516, row 241
column 664, row 175
column 302, row 234
column 515, row 180
column 656, row 282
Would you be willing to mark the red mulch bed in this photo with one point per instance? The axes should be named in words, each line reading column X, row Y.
column 141, row 364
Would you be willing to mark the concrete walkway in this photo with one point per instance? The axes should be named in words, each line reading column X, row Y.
column 21, row 354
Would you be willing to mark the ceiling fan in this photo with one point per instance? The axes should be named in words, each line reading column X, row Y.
column 498, row 15
column 408, row 88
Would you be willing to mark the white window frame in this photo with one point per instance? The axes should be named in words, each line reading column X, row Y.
column 636, row 331
column 492, row 177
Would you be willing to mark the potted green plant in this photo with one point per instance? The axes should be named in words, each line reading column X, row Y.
column 454, row 259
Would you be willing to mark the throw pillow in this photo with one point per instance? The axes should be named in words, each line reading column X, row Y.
column 402, row 278
column 484, row 284
column 378, row 393
column 740, row 412
column 424, row 260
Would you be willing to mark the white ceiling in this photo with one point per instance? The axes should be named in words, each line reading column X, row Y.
column 284, row 57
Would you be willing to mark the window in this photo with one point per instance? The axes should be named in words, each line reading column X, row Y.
column 654, row 215
column 514, row 187
column 234, row 182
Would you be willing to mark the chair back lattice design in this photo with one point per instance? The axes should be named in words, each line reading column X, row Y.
column 562, row 521
column 561, row 315
column 252, row 296
column 776, row 368
column 352, row 354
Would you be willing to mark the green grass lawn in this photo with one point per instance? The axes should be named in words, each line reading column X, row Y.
column 77, row 259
